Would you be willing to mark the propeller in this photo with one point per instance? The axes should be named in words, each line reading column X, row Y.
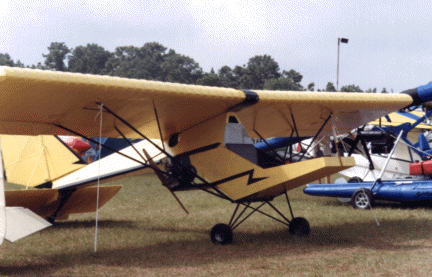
column 162, row 177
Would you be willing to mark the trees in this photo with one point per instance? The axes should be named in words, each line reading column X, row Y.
column 5, row 59
column 293, row 75
column 290, row 80
column 54, row 60
column 211, row 80
column 370, row 90
column 180, row 69
column 227, row 78
column 89, row 59
column 153, row 62
column 330, row 87
column 260, row 69
column 282, row 84
column 137, row 62
column 351, row 88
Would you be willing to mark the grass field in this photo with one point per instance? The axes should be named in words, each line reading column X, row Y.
column 143, row 232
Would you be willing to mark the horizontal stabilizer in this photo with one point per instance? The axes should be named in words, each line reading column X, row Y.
column 46, row 202
column 32, row 199
column 21, row 222
column 84, row 200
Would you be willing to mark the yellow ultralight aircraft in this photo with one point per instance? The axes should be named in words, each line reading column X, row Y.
column 206, row 131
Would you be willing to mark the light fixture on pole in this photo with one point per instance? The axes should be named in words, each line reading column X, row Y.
column 343, row 40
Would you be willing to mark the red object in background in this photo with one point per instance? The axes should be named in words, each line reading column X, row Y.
column 421, row 168
column 78, row 145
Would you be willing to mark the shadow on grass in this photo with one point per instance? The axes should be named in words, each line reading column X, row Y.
column 200, row 251
column 388, row 204
column 91, row 224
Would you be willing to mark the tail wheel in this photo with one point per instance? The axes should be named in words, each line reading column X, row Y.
column 362, row 199
column 299, row 226
column 221, row 234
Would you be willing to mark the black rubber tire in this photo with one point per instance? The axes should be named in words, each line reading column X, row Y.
column 299, row 226
column 221, row 234
column 362, row 199
column 355, row 179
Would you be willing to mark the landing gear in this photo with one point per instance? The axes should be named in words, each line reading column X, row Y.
column 299, row 226
column 223, row 233
column 362, row 199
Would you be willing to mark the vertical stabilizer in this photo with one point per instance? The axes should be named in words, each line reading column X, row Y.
column 22, row 222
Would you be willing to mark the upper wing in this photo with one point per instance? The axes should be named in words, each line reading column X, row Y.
column 398, row 118
column 35, row 102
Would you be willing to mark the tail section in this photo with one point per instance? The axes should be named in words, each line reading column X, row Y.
column 35, row 160
column 2, row 207
column 16, row 222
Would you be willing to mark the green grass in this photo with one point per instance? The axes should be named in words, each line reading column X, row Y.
column 143, row 231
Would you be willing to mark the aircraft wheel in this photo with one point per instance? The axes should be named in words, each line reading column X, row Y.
column 362, row 199
column 355, row 179
column 221, row 234
column 299, row 226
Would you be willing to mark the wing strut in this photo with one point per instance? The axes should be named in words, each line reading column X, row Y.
column 159, row 128
column 290, row 147
column 163, row 179
column 271, row 148
column 297, row 133
column 316, row 135
column 131, row 144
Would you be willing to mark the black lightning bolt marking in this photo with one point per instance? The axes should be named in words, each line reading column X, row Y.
column 251, row 179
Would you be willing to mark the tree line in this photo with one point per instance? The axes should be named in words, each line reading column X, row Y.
column 153, row 61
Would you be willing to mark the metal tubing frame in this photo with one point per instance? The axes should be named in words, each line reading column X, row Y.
column 94, row 141
column 235, row 211
column 316, row 135
column 261, row 212
column 286, row 150
column 149, row 140
column 274, row 208
column 130, row 144
column 246, row 217
column 387, row 161
column 271, row 148
column 289, row 205
column 234, row 221
column 160, row 130
column 238, row 217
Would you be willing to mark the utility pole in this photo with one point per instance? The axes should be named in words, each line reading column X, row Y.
column 343, row 40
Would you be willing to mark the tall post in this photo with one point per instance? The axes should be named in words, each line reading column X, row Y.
column 343, row 40
column 337, row 74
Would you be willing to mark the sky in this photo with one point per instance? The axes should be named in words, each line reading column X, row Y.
column 389, row 41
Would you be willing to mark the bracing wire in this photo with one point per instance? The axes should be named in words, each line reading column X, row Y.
column 98, row 181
